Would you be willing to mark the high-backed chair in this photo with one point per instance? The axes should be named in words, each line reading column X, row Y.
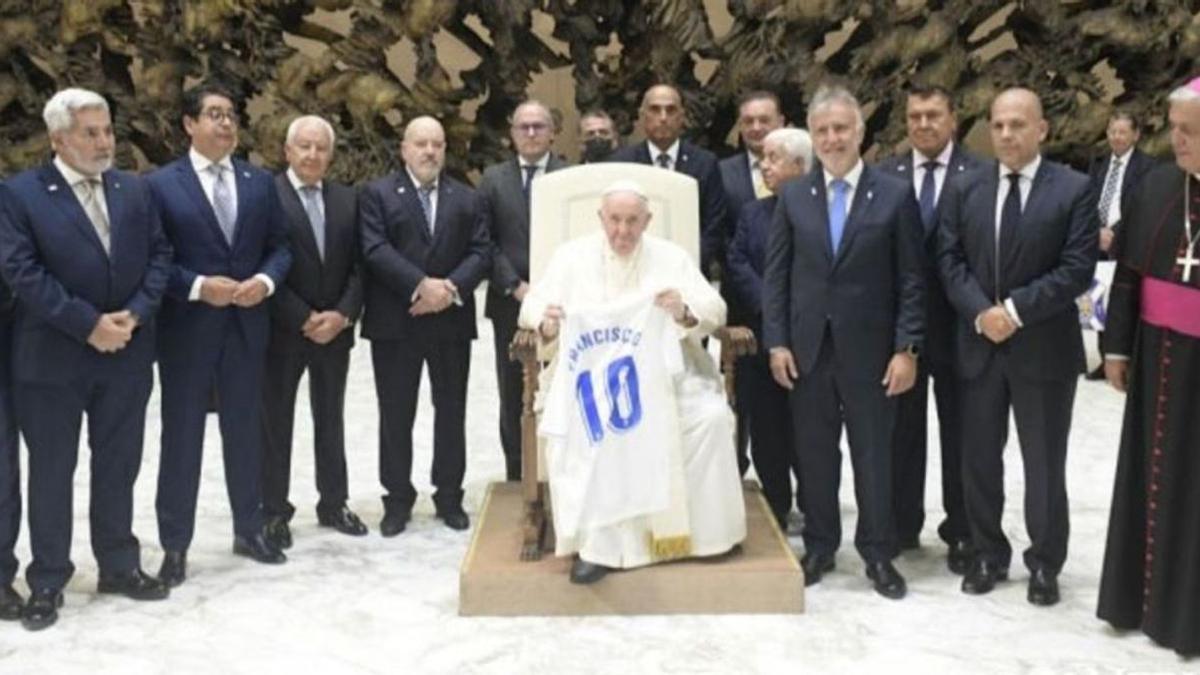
column 564, row 205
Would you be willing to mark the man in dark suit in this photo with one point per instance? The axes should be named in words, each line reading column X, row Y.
column 598, row 136
column 662, row 117
column 11, row 601
column 843, row 318
column 1114, row 177
column 786, row 154
column 758, row 115
column 425, row 249
column 86, row 258
column 312, row 313
column 934, row 157
column 505, row 190
column 224, row 219
column 1017, row 246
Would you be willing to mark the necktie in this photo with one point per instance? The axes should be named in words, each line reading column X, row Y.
column 530, row 170
column 837, row 213
column 1010, row 216
column 310, row 195
column 664, row 160
column 1109, row 191
column 927, row 198
column 223, row 206
column 760, row 186
column 91, row 206
column 426, row 204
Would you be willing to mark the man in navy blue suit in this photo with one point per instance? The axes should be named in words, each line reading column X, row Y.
column 662, row 118
column 933, row 158
column 843, row 318
column 85, row 256
column 425, row 249
column 229, row 231
column 1017, row 245
column 786, row 154
column 11, row 602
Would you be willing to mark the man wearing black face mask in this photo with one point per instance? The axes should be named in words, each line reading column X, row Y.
column 597, row 136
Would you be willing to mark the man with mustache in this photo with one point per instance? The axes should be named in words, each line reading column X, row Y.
column 425, row 248
column 85, row 255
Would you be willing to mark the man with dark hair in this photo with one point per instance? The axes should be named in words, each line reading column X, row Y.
column 598, row 136
column 224, row 219
column 662, row 118
column 505, row 190
column 934, row 158
column 85, row 255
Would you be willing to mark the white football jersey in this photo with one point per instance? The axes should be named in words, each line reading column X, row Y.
column 611, row 416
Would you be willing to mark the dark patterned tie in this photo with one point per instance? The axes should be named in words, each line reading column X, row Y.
column 664, row 161
column 1010, row 216
column 530, row 171
column 312, row 206
column 927, row 200
column 1109, row 191
column 423, row 193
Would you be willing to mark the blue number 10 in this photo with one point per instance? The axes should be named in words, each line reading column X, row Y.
column 624, row 399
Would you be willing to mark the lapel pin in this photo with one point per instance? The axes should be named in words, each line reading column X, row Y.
column 53, row 187
column 245, row 174
column 961, row 167
column 814, row 191
column 116, row 186
column 870, row 195
column 400, row 190
column 902, row 168
column 683, row 158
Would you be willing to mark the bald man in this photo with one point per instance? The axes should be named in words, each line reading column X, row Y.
column 425, row 248
column 1017, row 245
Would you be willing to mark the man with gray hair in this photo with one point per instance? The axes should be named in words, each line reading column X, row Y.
column 312, row 316
column 844, row 320
column 626, row 310
column 86, row 257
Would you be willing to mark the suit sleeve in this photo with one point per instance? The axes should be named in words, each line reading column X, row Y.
column 962, row 288
column 146, row 300
column 777, row 298
column 1124, row 296
column 717, row 224
column 504, row 274
column 380, row 258
column 910, row 266
column 1050, row 293
column 744, row 280
column 277, row 258
column 350, row 303
column 181, row 279
column 39, row 292
column 475, row 264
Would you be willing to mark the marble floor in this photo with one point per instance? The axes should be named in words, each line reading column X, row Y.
column 368, row 604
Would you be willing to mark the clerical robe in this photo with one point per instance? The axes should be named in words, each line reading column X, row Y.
column 1151, row 576
column 705, row 513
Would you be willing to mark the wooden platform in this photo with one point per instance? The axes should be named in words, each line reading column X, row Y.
column 763, row 578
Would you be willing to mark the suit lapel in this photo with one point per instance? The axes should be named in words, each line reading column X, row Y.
column 189, row 182
column 987, row 217
column 244, row 186
column 1043, row 184
column 515, row 177
column 63, row 197
column 294, row 209
column 445, row 193
column 114, row 198
column 815, row 194
column 406, row 191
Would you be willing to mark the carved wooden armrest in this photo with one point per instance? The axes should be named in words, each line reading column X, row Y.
column 524, row 349
column 736, row 341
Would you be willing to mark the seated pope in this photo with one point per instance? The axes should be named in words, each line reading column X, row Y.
column 638, row 435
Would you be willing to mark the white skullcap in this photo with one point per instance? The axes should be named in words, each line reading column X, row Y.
column 625, row 185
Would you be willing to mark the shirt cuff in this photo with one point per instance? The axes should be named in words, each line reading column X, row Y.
column 194, row 293
column 1011, row 308
column 268, row 281
column 1115, row 357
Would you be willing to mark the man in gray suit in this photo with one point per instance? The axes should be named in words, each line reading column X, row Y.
column 312, row 313
column 505, row 189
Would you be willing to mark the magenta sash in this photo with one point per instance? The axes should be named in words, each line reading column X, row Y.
column 1171, row 306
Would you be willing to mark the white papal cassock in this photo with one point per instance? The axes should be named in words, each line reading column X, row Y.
column 705, row 513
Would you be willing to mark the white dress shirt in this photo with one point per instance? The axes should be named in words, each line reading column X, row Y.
column 541, row 165
column 433, row 194
column 939, row 174
column 672, row 152
column 76, row 181
column 852, row 177
column 1114, row 207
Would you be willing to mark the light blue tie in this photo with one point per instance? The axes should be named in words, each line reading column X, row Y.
column 837, row 213
column 312, row 207
column 223, row 205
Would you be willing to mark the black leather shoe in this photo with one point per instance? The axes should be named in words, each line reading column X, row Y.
column 11, row 603
column 343, row 520
column 394, row 522
column 454, row 518
column 278, row 532
column 136, row 585
column 584, row 572
column 259, row 549
column 959, row 556
column 42, row 609
column 887, row 580
column 174, row 568
column 982, row 577
column 1043, row 588
column 815, row 565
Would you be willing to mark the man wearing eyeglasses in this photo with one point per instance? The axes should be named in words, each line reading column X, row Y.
column 225, row 221
column 506, row 188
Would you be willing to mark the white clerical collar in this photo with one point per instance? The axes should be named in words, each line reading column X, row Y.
column 201, row 163
column 1027, row 172
column 298, row 184
column 672, row 152
column 943, row 158
column 69, row 173
column 541, row 163
column 851, row 176
column 417, row 183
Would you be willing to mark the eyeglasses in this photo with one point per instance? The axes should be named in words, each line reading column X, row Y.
column 532, row 128
column 218, row 115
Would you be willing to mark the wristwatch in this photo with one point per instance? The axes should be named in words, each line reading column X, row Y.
column 912, row 350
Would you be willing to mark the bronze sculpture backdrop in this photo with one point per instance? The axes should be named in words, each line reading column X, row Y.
column 1083, row 57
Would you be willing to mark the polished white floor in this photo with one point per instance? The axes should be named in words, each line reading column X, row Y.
column 368, row 604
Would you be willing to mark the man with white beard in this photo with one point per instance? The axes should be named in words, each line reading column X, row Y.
column 656, row 478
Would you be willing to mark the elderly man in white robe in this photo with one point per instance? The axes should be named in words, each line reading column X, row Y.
column 704, row 512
